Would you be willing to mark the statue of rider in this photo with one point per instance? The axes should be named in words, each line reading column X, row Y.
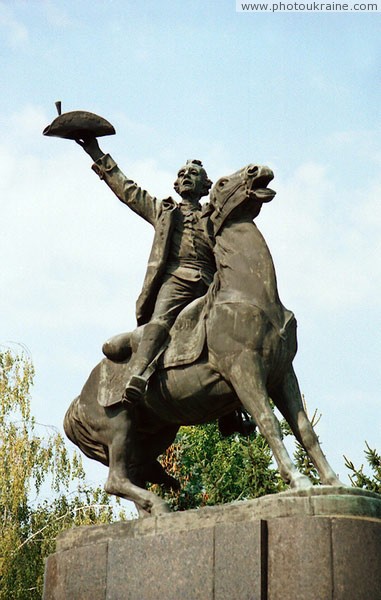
column 181, row 264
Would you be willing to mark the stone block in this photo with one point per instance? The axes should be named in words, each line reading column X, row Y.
column 238, row 567
column 299, row 558
column 170, row 566
column 356, row 564
column 78, row 574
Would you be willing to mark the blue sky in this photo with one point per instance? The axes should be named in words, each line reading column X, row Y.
column 194, row 79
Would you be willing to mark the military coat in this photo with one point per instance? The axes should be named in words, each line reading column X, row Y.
column 160, row 213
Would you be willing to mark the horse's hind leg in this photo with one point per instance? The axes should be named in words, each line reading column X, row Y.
column 247, row 376
column 288, row 399
column 122, row 449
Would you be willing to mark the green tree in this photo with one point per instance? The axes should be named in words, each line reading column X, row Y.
column 360, row 479
column 28, row 461
column 213, row 470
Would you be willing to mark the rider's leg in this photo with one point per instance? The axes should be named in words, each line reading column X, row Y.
column 154, row 335
column 153, row 338
column 173, row 296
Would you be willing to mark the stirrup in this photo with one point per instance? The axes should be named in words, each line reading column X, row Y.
column 135, row 389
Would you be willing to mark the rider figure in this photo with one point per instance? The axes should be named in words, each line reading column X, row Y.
column 181, row 264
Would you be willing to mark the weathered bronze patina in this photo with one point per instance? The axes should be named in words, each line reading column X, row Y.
column 206, row 349
column 77, row 124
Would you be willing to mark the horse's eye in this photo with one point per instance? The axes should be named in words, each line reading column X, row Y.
column 222, row 182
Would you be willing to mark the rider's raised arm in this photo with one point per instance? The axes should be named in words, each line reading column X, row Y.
column 125, row 189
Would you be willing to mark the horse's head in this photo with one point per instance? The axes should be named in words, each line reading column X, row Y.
column 247, row 187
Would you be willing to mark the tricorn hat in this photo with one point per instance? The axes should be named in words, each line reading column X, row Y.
column 78, row 124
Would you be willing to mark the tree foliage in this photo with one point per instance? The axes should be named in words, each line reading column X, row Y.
column 213, row 470
column 359, row 478
column 29, row 463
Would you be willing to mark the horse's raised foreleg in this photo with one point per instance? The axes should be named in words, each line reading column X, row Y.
column 246, row 374
column 288, row 399
column 123, row 449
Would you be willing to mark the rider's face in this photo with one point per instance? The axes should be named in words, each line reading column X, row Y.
column 190, row 181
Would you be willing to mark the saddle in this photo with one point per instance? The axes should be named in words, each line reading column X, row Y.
column 187, row 336
column 184, row 346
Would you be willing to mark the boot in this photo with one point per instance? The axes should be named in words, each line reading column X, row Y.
column 153, row 338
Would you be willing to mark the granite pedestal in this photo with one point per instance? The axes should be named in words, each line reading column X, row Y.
column 319, row 544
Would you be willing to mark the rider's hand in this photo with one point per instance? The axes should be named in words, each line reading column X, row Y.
column 91, row 146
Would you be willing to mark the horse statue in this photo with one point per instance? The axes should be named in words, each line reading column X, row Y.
column 238, row 355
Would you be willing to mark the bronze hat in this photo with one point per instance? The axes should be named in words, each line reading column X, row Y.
column 78, row 124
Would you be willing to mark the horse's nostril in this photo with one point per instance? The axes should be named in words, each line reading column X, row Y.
column 252, row 170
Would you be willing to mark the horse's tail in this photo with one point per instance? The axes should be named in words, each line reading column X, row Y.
column 78, row 433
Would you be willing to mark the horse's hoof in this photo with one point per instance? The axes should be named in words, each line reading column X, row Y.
column 301, row 482
column 337, row 483
column 161, row 509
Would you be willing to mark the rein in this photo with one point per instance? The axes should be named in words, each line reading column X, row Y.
column 218, row 209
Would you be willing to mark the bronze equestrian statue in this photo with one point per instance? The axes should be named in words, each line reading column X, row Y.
column 229, row 349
